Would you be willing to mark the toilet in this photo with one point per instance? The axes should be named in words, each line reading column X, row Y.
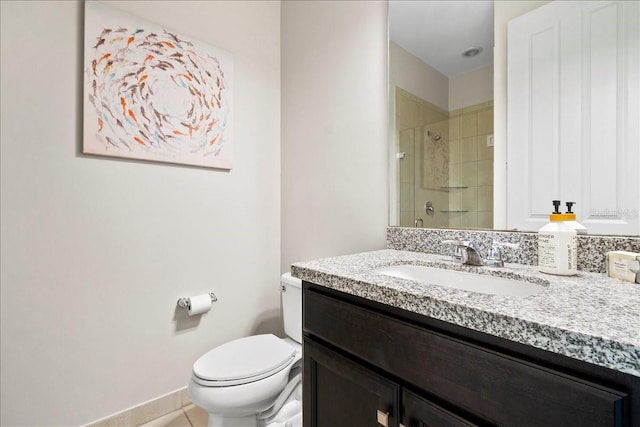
column 255, row 381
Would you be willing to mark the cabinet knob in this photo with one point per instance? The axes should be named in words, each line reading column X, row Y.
column 383, row 418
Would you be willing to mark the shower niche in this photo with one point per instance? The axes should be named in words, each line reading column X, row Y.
column 444, row 164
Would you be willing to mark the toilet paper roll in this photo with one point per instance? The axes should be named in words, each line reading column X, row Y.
column 199, row 304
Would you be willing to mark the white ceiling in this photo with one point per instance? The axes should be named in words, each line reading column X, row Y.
column 438, row 31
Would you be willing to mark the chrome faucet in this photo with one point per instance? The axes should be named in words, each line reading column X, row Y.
column 471, row 253
column 467, row 252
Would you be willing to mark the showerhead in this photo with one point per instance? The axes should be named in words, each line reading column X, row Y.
column 436, row 137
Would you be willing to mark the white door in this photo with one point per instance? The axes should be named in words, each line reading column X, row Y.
column 573, row 115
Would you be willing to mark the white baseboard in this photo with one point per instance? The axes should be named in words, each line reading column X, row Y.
column 147, row 411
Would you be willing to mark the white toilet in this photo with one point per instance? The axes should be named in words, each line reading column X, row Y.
column 255, row 381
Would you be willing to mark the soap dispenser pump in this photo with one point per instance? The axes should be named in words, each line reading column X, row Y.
column 558, row 245
column 580, row 229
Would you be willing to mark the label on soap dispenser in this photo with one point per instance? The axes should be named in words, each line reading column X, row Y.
column 557, row 251
column 547, row 251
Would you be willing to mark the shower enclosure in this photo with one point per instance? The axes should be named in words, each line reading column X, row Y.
column 444, row 164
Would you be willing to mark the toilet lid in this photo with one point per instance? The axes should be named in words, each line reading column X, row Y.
column 244, row 359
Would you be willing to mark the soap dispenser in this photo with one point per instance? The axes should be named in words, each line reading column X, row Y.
column 580, row 229
column 558, row 245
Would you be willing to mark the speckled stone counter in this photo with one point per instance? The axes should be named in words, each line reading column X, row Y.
column 589, row 317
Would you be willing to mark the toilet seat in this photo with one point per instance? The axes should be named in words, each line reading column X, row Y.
column 243, row 361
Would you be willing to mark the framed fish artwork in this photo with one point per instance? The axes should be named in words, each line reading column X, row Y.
column 153, row 94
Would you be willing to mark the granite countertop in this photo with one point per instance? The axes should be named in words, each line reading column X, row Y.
column 589, row 317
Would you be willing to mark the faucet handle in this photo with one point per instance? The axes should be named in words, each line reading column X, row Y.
column 457, row 249
column 494, row 259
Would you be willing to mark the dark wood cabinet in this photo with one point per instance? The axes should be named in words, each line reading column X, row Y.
column 423, row 372
column 420, row 412
column 344, row 393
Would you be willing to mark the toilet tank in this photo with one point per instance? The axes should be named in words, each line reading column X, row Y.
column 291, row 296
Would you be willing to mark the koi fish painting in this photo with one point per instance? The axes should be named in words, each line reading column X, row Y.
column 153, row 94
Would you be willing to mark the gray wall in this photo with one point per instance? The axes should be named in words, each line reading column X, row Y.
column 334, row 128
column 96, row 251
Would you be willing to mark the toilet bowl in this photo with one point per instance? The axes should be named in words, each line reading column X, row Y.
column 243, row 383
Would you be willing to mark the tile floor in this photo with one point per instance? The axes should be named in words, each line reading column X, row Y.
column 189, row 416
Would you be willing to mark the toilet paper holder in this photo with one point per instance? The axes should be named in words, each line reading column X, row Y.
column 184, row 302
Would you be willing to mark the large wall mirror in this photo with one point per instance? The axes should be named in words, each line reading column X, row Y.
column 441, row 95
column 445, row 171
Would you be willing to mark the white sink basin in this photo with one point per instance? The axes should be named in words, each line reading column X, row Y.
column 482, row 283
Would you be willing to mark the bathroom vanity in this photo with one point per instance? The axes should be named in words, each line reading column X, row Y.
column 382, row 350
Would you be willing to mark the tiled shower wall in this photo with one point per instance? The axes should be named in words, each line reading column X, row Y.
column 471, row 167
column 454, row 173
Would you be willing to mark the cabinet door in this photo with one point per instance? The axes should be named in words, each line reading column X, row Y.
column 419, row 412
column 340, row 393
